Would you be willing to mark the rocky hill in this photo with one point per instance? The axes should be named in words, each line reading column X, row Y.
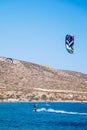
column 25, row 80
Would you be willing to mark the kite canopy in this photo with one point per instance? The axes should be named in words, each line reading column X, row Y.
column 10, row 60
column 69, row 43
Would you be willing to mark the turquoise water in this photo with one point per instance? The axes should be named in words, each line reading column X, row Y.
column 49, row 116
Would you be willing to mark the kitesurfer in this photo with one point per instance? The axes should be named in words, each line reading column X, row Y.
column 35, row 108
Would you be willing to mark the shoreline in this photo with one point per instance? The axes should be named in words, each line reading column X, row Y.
column 11, row 100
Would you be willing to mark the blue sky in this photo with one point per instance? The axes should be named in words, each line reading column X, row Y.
column 35, row 30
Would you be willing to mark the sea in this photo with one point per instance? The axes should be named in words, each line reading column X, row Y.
column 49, row 116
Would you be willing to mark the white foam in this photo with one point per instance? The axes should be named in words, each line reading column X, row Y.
column 60, row 111
column 41, row 109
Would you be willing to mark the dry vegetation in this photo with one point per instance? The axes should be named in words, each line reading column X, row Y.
column 22, row 79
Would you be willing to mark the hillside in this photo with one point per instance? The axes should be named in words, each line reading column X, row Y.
column 25, row 80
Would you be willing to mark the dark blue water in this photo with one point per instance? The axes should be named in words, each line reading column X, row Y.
column 50, row 116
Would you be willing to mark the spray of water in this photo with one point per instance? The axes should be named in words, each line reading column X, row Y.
column 59, row 111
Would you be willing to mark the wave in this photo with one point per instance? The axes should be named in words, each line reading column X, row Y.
column 59, row 111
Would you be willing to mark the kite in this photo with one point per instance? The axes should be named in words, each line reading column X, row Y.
column 10, row 60
column 69, row 43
